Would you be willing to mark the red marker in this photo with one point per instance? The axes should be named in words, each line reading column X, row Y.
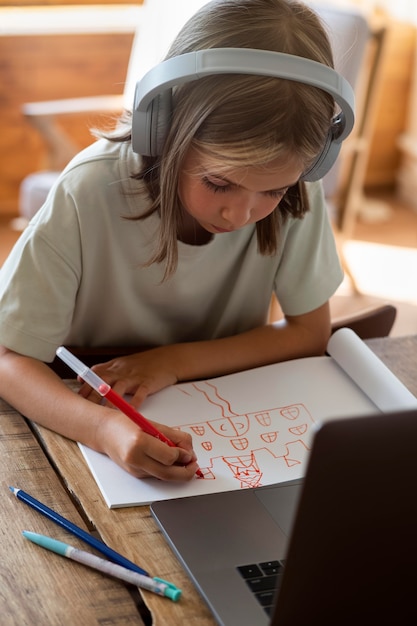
column 99, row 385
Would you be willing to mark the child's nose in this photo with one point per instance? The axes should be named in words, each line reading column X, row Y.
column 237, row 214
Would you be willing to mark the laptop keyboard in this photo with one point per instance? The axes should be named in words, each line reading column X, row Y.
column 263, row 580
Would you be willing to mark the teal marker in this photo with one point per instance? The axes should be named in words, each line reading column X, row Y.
column 156, row 585
column 75, row 530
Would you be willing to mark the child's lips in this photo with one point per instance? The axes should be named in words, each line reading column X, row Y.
column 222, row 230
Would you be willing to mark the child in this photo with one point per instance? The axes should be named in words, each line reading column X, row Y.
column 180, row 251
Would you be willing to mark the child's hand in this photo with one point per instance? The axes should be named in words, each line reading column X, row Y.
column 141, row 454
column 138, row 375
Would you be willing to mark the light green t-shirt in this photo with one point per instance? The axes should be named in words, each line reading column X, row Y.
column 76, row 275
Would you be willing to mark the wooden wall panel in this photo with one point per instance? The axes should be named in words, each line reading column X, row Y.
column 51, row 67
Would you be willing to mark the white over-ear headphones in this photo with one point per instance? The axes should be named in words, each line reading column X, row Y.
column 152, row 105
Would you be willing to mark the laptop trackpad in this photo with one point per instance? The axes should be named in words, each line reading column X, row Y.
column 281, row 503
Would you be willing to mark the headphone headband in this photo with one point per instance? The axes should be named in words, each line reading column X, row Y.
column 157, row 83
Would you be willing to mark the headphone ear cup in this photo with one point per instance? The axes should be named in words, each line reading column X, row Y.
column 327, row 157
column 323, row 162
column 159, row 111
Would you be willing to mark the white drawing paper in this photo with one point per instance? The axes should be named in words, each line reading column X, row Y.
column 256, row 427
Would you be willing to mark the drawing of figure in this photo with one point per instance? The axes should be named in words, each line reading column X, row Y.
column 280, row 432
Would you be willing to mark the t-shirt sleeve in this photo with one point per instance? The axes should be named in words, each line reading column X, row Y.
column 39, row 282
column 309, row 271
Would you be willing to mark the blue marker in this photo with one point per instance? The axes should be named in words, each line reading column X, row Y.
column 156, row 585
column 77, row 531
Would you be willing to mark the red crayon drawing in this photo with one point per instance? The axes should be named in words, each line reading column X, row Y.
column 241, row 441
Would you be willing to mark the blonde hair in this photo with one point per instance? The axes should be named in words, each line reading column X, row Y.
column 242, row 120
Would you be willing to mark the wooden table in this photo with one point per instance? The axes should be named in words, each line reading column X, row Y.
column 38, row 587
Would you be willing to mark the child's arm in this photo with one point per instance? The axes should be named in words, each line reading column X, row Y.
column 33, row 389
column 147, row 372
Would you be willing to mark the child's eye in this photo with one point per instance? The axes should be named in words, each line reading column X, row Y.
column 215, row 186
column 277, row 194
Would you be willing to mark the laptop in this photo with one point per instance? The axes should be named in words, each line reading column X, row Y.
column 338, row 547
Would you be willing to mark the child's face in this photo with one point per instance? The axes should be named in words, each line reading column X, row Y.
column 221, row 202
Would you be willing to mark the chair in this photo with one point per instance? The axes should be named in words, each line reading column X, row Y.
column 367, row 323
column 348, row 196
column 147, row 50
column 359, row 47
column 370, row 323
